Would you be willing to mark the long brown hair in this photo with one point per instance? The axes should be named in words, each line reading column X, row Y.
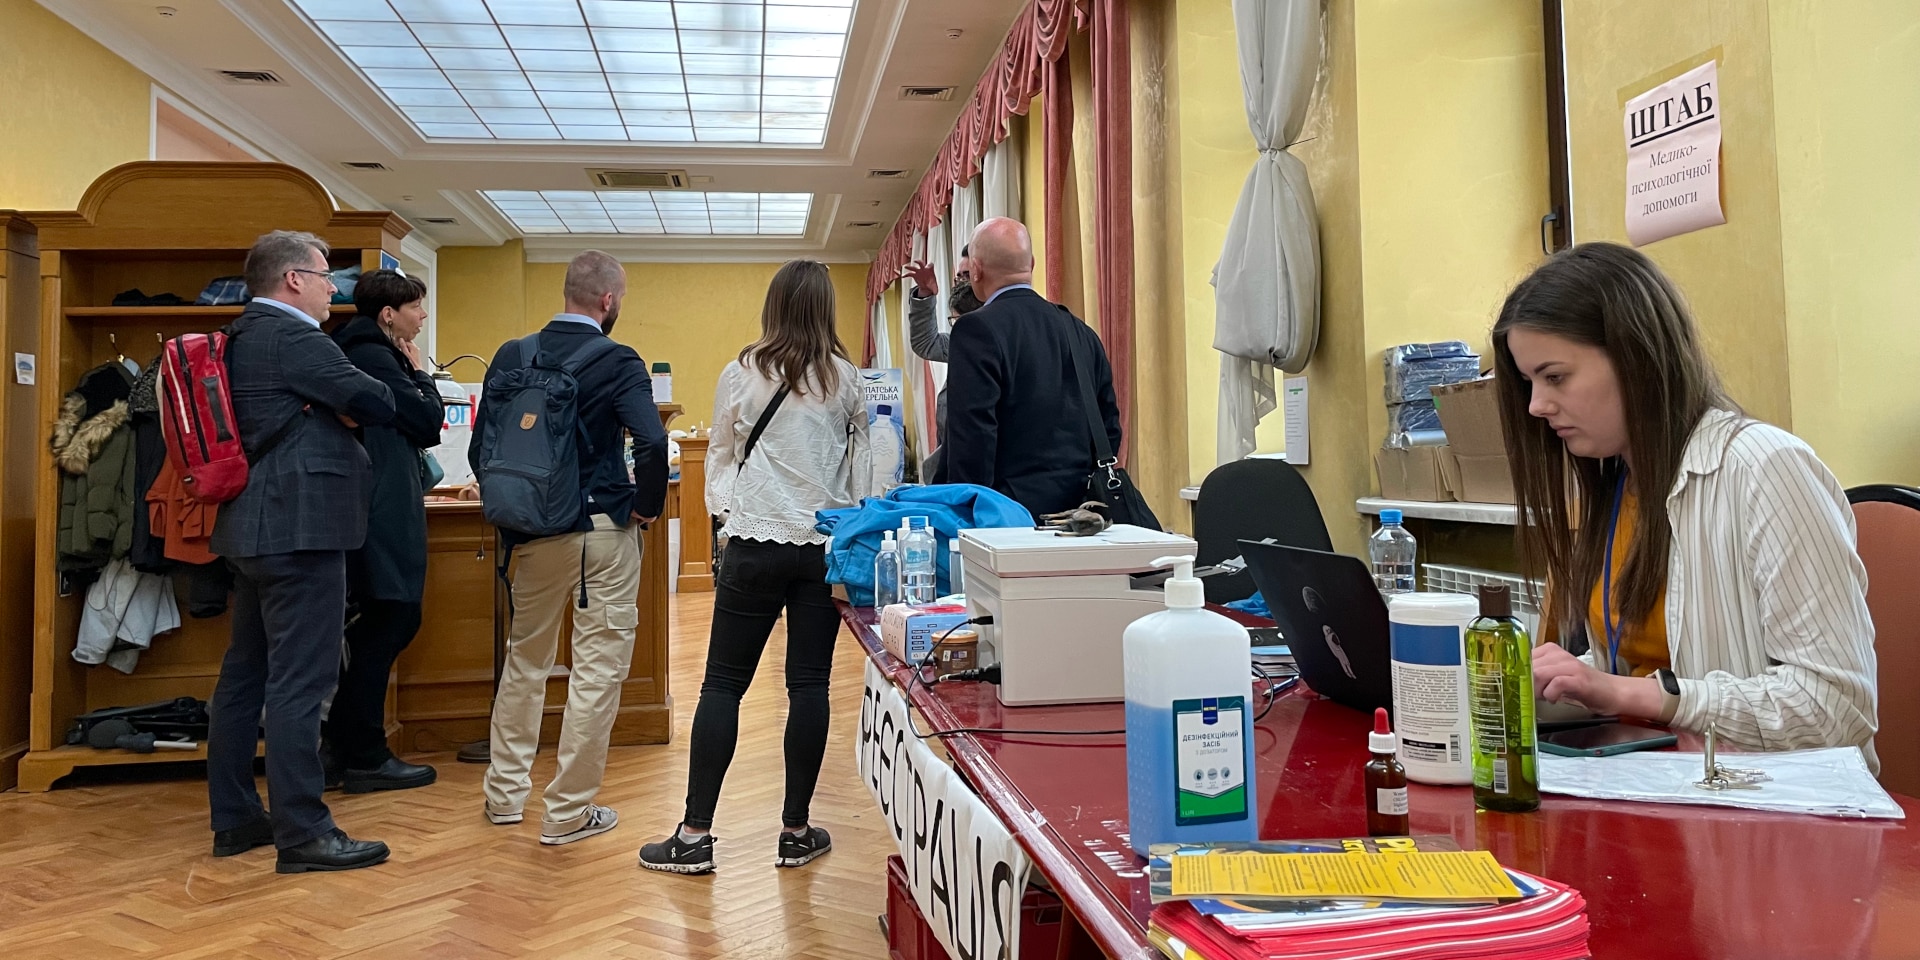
column 1612, row 297
column 797, row 341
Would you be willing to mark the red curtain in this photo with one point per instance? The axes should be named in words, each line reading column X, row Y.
column 1033, row 62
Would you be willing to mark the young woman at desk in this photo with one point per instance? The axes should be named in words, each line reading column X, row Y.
column 1710, row 555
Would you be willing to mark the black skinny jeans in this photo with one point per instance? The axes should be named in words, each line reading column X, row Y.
column 757, row 579
column 356, row 726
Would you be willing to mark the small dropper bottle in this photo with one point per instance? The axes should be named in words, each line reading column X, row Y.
column 1386, row 782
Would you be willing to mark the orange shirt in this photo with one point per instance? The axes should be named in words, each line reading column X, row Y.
column 1643, row 645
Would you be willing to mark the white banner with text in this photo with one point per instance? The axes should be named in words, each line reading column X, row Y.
column 967, row 873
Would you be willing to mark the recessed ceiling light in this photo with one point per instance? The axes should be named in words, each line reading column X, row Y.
column 738, row 71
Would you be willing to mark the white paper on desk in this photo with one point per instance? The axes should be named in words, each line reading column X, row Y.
column 1831, row 782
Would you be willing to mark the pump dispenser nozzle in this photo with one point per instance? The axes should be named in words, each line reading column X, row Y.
column 1183, row 589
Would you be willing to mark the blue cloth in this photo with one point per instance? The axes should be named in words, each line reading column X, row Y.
column 949, row 509
column 1255, row 605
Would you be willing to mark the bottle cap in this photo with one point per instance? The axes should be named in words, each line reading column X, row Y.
column 1183, row 589
column 1495, row 601
column 886, row 542
column 915, row 523
column 1391, row 516
column 883, row 410
column 1381, row 740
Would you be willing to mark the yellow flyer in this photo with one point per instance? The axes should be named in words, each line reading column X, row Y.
column 1449, row 877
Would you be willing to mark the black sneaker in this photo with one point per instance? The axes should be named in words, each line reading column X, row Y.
column 800, row 849
column 674, row 855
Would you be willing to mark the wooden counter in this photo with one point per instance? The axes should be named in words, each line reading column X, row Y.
column 696, row 528
column 444, row 694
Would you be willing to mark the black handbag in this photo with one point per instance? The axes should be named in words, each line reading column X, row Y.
column 1108, row 483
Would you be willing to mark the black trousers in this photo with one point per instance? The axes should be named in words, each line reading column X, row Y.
column 284, row 657
column 356, row 726
column 756, row 581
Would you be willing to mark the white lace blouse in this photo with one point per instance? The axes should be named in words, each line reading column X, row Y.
column 813, row 455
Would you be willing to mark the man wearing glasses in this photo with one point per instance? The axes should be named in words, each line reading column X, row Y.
column 296, row 399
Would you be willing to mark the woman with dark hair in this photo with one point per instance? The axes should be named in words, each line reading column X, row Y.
column 796, row 389
column 386, row 576
column 1708, row 556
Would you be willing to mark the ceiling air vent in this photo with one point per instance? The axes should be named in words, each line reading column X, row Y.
column 363, row 165
column 926, row 93
column 252, row 78
column 640, row 179
column 443, row 221
column 863, row 224
column 886, row 174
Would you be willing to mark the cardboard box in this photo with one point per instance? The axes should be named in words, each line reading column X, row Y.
column 1470, row 412
column 1412, row 473
column 909, row 632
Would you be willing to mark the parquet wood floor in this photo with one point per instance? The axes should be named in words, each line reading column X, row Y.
column 123, row 870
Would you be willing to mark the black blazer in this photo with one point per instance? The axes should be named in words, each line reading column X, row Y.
column 392, row 565
column 616, row 395
column 1014, row 417
column 310, row 491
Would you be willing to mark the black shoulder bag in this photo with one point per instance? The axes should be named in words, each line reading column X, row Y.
column 1108, row 483
column 753, row 440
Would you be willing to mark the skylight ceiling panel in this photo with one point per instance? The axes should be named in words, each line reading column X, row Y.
column 417, row 97
column 440, row 11
column 623, row 62
column 475, row 58
column 409, row 79
column 806, row 44
column 456, row 131
column 347, row 9
column 407, row 57
column 636, row 41
column 368, row 33
column 561, row 61
column 820, row 67
column 577, row 99
column 563, row 81
column 566, row 12
column 460, row 35
column 532, row 131
column 789, row 18
column 644, row 134
column 629, row 13
column 717, row 16
column 531, row 37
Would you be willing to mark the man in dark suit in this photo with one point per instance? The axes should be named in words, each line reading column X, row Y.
column 1015, row 420
column 591, row 573
column 286, row 535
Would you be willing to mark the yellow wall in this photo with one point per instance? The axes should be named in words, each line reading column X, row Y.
column 695, row 316
column 1426, row 152
column 1730, row 274
column 69, row 109
column 1849, row 170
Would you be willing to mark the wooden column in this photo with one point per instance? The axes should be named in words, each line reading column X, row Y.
column 696, row 528
column 20, row 439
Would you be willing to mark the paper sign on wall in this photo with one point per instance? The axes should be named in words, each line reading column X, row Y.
column 1673, row 157
column 1294, row 389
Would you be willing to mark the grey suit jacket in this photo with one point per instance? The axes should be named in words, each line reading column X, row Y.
column 310, row 492
column 923, row 331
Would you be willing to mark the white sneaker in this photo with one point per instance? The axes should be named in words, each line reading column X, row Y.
column 598, row 820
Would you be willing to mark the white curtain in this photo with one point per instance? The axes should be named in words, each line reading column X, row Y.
column 882, row 335
column 1267, row 283
column 1000, row 173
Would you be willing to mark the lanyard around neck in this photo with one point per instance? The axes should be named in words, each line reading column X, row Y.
column 1614, row 633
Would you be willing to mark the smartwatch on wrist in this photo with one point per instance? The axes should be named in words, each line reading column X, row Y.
column 1670, row 693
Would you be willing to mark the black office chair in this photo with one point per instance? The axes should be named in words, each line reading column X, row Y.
column 1888, row 520
column 1253, row 499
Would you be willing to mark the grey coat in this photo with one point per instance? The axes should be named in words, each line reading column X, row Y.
column 923, row 331
column 310, row 492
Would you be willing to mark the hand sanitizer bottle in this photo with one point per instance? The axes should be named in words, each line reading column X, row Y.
column 1190, row 774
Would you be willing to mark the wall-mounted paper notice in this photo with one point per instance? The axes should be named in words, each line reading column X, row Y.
column 1673, row 157
column 1294, row 392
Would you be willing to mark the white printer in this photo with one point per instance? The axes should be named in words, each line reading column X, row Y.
column 1060, row 605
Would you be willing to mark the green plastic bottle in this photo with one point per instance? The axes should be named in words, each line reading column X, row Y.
column 1506, row 776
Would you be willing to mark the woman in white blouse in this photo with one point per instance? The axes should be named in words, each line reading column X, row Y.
column 795, row 387
column 1709, row 556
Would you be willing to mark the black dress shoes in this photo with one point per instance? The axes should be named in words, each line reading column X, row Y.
column 395, row 774
column 333, row 850
column 227, row 843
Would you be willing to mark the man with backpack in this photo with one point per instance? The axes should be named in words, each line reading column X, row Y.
column 295, row 399
column 547, row 453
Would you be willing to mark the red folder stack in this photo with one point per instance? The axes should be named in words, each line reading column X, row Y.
column 1548, row 924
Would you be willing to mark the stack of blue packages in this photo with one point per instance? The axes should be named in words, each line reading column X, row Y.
column 1412, row 369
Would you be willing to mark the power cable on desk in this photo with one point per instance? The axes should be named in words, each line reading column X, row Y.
column 1275, row 687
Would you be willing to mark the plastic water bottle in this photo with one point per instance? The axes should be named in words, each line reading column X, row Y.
column 1392, row 551
column 919, row 583
column 956, row 577
column 889, row 458
column 886, row 573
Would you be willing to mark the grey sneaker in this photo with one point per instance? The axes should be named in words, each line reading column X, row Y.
column 674, row 855
column 599, row 820
column 800, row 849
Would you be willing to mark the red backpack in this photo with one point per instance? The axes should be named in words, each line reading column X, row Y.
column 197, row 421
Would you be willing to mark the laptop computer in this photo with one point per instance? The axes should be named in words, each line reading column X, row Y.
column 1333, row 618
